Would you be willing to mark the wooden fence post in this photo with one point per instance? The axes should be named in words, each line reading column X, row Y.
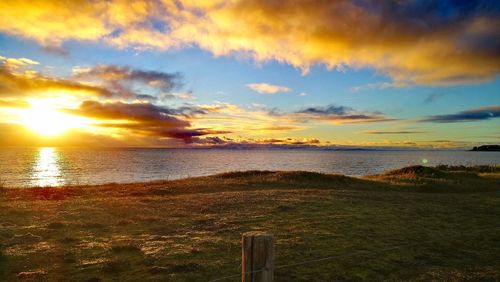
column 257, row 254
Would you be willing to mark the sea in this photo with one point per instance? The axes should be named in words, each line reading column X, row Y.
column 40, row 167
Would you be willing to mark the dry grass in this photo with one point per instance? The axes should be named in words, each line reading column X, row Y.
column 190, row 230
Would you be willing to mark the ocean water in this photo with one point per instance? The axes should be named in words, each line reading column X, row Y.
column 29, row 167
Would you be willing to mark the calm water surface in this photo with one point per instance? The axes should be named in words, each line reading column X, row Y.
column 62, row 166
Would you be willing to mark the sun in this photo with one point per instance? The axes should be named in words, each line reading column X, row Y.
column 44, row 118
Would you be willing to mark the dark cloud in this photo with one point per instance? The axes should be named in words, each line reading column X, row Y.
column 145, row 118
column 191, row 110
column 339, row 114
column 142, row 112
column 56, row 50
column 139, row 112
column 186, row 134
column 328, row 110
column 126, row 82
column 145, row 97
column 478, row 114
column 211, row 140
column 431, row 98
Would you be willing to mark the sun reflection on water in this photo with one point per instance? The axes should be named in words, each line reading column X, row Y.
column 46, row 170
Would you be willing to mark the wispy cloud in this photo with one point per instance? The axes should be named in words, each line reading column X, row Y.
column 13, row 84
column 266, row 88
column 226, row 142
column 478, row 114
column 17, row 79
column 126, row 82
column 16, row 63
column 328, row 110
column 340, row 114
column 431, row 98
column 379, row 132
column 378, row 86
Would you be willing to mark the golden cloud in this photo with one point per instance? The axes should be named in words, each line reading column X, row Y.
column 16, row 63
column 409, row 41
column 287, row 142
column 14, row 84
column 17, row 79
column 266, row 88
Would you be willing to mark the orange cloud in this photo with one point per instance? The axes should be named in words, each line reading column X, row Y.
column 406, row 40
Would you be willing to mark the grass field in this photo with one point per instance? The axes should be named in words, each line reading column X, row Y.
column 416, row 223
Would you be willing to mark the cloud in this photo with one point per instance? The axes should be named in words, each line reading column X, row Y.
column 13, row 104
column 125, row 82
column 187, row 95
column 478, row 114
column 328, row 110
column 251, row 143
column 338, row 114
column 431, row 98
column 265, row 88
column 423, row 42
column 378, row 86
column 144, row 118
column 254, row 121
column 107, row 81
column 279, row 128
column 14, row 84
column 392, row 132
column 140, row 112
column 16, row 63
column 20, row 136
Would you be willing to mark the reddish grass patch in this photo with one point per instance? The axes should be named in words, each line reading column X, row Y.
column 54, row 194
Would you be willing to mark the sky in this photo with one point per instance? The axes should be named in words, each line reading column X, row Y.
column 254, row 73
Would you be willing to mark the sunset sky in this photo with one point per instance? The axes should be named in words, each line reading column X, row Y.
column 250, row 73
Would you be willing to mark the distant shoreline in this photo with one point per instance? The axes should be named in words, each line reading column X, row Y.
column 487, row 148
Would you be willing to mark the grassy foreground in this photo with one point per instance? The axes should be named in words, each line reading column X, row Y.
column 445, row 222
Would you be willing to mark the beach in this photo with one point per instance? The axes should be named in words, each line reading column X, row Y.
column 417, row 223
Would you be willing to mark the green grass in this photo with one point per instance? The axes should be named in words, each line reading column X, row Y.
column 445, row 220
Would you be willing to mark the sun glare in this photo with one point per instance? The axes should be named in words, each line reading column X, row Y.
column 46, row 120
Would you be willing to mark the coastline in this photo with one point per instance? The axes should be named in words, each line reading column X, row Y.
column 410, row 172
column 190, row 229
